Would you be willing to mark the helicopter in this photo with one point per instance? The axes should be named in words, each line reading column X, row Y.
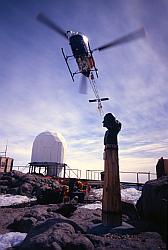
column 83, row 54
column 82, row 51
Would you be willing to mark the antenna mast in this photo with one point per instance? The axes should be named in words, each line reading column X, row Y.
column 4, row 153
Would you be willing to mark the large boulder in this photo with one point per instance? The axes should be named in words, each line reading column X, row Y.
column 48, row 233
column 152, row 204
column 52, row 234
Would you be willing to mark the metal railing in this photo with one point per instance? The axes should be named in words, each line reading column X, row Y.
column 72, row 173
column 68, row 172
column 91, row 174
column 96, row 175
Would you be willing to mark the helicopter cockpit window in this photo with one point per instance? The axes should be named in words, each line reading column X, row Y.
column 78, row 45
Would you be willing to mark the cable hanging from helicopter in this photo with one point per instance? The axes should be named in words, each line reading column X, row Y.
column 83, row 54
column 95, row 90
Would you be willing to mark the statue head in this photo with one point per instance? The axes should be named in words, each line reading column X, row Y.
column 109, row 120
column 113, row 126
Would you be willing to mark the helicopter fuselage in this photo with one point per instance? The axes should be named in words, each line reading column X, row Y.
column 81, row 51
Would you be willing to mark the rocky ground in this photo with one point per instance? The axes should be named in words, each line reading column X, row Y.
column 65, row 226
column 68, row 226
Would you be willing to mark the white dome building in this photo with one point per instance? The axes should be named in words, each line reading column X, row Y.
column 48, row 150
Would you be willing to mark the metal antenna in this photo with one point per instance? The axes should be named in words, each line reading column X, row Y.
column 4, row 153
column 6, row 148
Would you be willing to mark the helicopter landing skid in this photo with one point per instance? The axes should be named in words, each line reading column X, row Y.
column 66, row 60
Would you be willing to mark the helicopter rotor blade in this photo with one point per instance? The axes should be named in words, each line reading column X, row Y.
column 124, row 39
column 45, row 20
column 83, row 85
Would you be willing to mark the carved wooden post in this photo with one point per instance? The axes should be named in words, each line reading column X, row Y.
column 111, row 207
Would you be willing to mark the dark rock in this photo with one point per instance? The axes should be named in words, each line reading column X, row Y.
column 85, row 217
column 46, row 190
column 30, row 178
column 150, row 205
column 130, row 210
column 26, row 189
column 17, row 174
column 98, row 241
column 29, row 215
column 23, row 225
column 79, row 242
column 36, row 212
column 42, row 211
column 3, row 189
column 3, row 182
column 66, row 209
column 96, row 221
column 46, row 234
column 7, row 177
column 144, row 241
column 14, row 191
column 39, row 213
column 7, row 217
column 48, row 196
column 13, row 182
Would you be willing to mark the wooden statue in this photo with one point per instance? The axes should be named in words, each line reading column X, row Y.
column 111, row 207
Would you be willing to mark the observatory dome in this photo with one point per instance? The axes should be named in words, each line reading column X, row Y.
column 48, row 147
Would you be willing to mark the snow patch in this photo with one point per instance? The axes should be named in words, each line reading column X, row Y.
column 130, row 195
column 11, row 239
column 8, row 199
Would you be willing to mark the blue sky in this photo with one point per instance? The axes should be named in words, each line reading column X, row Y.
column 37, row 93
